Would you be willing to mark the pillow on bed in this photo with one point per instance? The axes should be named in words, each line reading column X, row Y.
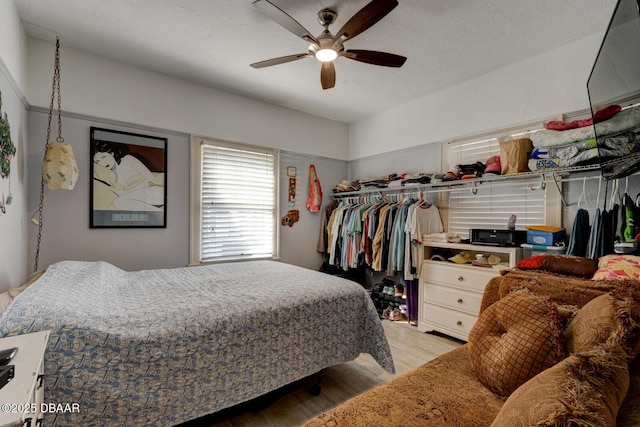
column 515, row 339
column 615, row 267
column 585, row 389
column 531, row 263
column 567, row 265
column 14, row 292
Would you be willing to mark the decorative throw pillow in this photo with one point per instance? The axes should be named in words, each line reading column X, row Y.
column 531, row 263
column 593, row 324
column 586, row 389
column 615, row 267
column 568, row 265
column 515, row 339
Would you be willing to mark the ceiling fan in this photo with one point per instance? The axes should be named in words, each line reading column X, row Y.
column 327, row 47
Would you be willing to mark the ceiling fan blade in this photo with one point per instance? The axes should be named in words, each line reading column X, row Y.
column 284, row 19
column 280, row 60
column 366, row 18
column 328, row 75
column 377, row 58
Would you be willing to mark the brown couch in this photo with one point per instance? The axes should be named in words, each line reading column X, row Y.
column 589, row 364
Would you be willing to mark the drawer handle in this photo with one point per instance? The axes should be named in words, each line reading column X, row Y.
column 460, row 301
column 459, row 323
column 460, row 278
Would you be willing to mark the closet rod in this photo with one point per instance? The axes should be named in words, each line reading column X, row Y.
column 544, row 176
column 531, row 183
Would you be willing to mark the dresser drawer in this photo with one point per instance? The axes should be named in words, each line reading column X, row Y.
column 465, row 277
column 450, row 322
column 454, row 298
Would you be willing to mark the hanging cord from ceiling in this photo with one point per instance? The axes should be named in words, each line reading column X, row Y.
column 55, row 89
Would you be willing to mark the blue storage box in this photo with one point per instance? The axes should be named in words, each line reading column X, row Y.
column 535, row 237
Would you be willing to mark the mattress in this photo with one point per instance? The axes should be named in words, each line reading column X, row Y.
column 161, row 347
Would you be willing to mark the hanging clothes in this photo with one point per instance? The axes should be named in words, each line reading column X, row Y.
column 385, row 236
column 323, row 237
column 628, row 220
column 594, row 245
column 580, row 232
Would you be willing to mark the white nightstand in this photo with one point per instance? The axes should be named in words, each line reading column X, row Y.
column 21, row 398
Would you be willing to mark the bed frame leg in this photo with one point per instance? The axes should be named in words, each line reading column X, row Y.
column 316, row 388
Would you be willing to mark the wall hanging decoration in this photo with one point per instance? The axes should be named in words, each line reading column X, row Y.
column 315, row 191
column 7, row 151
column 59, row 167
column 292, row 192
column 128, row 180
column 290, row 218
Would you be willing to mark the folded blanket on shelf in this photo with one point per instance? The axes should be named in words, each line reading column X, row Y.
column 625, row 120
column 441, row 238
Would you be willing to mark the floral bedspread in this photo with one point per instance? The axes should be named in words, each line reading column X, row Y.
column 161, row 347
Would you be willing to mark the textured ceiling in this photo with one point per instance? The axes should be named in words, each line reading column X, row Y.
column 212, row 42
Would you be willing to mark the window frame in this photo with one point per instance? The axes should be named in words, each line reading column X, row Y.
column 525, row 181
column 197, row 144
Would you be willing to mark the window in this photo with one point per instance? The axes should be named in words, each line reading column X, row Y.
column 489, row 205
column 234, row 201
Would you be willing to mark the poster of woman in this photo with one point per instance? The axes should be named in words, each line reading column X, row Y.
column 128, row 173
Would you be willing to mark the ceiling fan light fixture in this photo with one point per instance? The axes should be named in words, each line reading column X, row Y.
column 326, row 55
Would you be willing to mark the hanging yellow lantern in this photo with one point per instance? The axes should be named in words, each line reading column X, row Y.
column 59, row 169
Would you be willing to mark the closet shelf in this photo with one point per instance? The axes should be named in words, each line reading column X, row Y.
column 544, row 175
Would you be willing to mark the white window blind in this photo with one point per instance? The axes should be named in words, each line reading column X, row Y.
column 488, row 205
column 238, row 202
column 491, row 207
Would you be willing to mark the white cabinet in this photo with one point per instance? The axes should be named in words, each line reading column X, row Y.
column 450, row 294
column 21, row 398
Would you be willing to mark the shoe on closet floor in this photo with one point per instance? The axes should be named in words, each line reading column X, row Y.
column 399, row 290
column 396, row 315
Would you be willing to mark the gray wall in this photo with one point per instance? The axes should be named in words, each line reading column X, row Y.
column 66, row 233
column 298, row 243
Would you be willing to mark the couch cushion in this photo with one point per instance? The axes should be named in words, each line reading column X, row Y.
column 603, row 319
column 561, row 289
column 441, row 393
column 629, row 415
column 583, row 390
column 515, row 339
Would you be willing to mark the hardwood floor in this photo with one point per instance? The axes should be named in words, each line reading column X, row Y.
column 294, row 404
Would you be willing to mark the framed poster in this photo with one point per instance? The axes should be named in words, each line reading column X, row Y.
column 128, row 180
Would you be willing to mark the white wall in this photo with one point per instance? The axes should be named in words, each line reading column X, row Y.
column 12, row 40
column 551, row 83
column 13, row 223
column 98, row 87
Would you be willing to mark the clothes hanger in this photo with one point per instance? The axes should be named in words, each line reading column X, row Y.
column 583, row 195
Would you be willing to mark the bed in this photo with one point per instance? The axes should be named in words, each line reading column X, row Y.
column 161, row 347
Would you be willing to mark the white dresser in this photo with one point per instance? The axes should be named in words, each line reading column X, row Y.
column 21, row 398
column 450, row 294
